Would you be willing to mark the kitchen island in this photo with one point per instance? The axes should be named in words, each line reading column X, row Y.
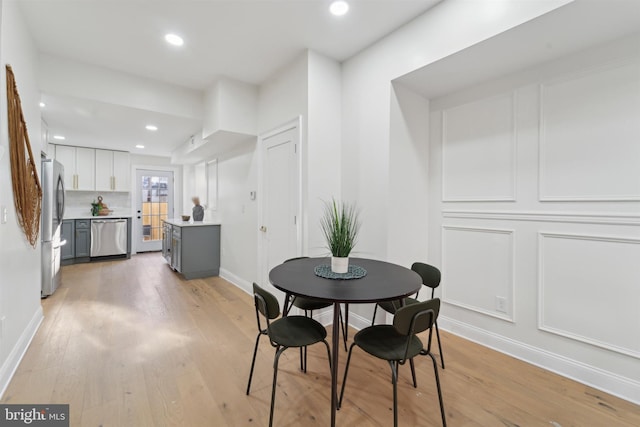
column 192, row 248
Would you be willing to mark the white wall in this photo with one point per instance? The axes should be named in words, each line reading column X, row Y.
column 309, row 87
column 322, row 159
column 408, row 178
column 284, row 97
column 230, row 105
column 367, row 98
column 561, row 240
column 20, row 310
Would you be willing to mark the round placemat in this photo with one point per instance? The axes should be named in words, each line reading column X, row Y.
column 355, row 272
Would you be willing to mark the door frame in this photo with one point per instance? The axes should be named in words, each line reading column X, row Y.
column 292, row 124
column 177, row 196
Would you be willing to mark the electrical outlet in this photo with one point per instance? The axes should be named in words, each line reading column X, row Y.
column 3, row 214
column 501, row 304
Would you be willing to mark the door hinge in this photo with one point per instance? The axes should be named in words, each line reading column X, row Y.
column 295, row 220
column 295, row 148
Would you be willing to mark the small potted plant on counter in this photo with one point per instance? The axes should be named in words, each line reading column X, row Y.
column 340, row 224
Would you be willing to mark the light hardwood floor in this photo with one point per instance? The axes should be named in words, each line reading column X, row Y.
column 128, row 343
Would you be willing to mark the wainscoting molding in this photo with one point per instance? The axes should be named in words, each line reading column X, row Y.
column 480, row 152
column 603, row 121
column 10, row 365
column 563, row 217
column 600, row 320
column 608, row 382
column 509, row 266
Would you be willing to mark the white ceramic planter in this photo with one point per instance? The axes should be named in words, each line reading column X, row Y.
column 339, row 265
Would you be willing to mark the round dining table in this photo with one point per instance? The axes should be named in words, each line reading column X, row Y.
column 383, row 282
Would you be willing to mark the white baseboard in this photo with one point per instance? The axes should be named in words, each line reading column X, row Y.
column 611, row 383
column 237, row 281
column 10, row 365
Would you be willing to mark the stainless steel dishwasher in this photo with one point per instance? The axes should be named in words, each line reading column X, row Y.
column 108, row 237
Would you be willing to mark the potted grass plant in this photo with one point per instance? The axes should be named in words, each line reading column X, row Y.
column 340, row 224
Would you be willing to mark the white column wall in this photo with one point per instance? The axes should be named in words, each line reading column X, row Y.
column 366, row 147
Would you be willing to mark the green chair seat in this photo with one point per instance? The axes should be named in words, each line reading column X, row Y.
column 310, row 304
column 393, row 306
column 384, row 342
column 296, row 331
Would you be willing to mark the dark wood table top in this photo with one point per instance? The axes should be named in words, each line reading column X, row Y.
column 384, row 281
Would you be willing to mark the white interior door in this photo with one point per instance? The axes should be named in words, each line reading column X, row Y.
column 154, row 202
column 280, row 230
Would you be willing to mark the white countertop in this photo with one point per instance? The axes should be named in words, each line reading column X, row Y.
column 86, row 214
column 180, row 223
column 116, row 216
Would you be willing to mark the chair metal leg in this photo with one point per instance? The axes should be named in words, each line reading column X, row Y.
column 439, row 345
column 413, row 373
column 328, row 353
column 394, row 380
column 375, row 310
column 345, row 326
column 279, row 351
column 302, row 359
column 435, row 369
column 305, row 360
column 346, row 371
column 253, row 362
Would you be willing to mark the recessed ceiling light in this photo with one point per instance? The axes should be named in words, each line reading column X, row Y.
column 339, row 7
column 151, row 127
column 59, row 137
column 174, row 39
column 139, row 146
column 42, row 104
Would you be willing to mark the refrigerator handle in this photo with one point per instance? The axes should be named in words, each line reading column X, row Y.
column 60, row 206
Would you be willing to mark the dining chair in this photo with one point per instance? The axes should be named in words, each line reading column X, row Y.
column 308, row 305
column 398, row 343
column 283, row 333
column 431, row 277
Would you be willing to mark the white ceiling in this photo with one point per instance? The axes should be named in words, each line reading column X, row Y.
column 247, row 40
column 90, row 123
column 566, row 30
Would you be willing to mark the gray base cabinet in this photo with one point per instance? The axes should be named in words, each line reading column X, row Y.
column 68, row 252
column 192, row 250
column 83, row 238
column 77, row 233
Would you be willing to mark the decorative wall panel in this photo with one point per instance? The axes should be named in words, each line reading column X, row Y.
column 478, row 268
column 478, row 151
column 589, row 289
column 590, row 135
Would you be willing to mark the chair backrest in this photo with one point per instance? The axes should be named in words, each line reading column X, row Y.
column 415, row 318
column 266, row 303
column 430, row 275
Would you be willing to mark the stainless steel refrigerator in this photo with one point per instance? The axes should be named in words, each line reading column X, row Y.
column 52, row 178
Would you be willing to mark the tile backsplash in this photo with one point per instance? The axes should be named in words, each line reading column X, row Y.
column 78, row 203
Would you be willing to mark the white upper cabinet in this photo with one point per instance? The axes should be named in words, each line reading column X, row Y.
column 113, row 170
column 88, row 169
column 79, row 165
column 104, row 170
column 121, row 171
